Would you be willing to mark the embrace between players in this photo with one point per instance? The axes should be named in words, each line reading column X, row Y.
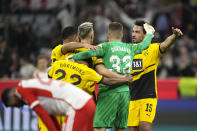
column 122, row 100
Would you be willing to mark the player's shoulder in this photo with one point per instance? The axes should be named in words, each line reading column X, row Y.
column 57, row 47
column 59, row 61
column 29, row 82
column 154, row 45
column 103, row 44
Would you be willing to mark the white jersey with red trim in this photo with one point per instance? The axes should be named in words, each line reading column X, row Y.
column 56, row 97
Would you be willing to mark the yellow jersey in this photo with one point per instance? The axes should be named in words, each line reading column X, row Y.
column 58, row 55
column 144, row 69
column 79, row 75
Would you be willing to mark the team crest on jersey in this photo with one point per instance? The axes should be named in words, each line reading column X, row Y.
column 137, row 64
column 145, row 52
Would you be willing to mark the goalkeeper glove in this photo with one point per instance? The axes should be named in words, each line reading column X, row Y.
column 149, row 29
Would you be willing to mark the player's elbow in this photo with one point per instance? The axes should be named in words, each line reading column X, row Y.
column 101, row 72
column 109, row 82
column 100, row 68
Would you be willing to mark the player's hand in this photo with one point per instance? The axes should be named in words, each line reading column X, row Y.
column 149, row 29
column 128, row 78
column 177, row 32
column 88, row 46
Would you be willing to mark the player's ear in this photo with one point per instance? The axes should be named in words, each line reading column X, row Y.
column 108, row 35
column 91, row 35
column 75, row 38
column 121, row 34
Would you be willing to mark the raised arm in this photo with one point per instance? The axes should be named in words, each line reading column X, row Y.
column 31, row 99
column 75, row 45
column 46, row 118
column 176, row 33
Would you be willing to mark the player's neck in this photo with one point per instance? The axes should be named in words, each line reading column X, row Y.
column 114, row 39
column 67, row 41
column 86, row 41
column 42, row 69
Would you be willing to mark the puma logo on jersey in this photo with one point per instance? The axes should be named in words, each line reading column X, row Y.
column 148, row 115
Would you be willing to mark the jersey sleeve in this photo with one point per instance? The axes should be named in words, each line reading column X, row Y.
column 91, row 75
column 56, row 53
column 89, row 87
column 46, row 118
column 90, row 53
column 50, row 73
column 138, row 48
column 97, row 61
column 29, row 95
column 157, row 50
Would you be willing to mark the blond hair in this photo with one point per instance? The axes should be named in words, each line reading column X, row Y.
column 84, row 29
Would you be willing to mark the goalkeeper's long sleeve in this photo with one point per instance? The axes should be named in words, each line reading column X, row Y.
column 88, row 54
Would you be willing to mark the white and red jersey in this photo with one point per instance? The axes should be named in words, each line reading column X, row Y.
column 49, row 97
column 52, row 93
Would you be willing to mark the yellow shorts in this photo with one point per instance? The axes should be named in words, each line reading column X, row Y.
column 142, row 110
column 42, row 127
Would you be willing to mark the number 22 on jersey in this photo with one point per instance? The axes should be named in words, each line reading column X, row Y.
column 73, row 76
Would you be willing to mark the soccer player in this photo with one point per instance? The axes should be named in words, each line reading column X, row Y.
column 69, row 36
column 113, row 101
column 86, row 35
column 143, row 90
column 49, row 98
column 80, row 74
column 62, row 52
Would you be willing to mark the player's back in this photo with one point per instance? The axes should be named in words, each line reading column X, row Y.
column 74, row 73
column 56, row 92
column 117, row 56
column 57, row 54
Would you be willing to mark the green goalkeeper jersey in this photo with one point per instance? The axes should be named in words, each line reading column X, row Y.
column 117, row 56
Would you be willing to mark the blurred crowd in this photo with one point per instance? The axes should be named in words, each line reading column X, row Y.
column 30, row 28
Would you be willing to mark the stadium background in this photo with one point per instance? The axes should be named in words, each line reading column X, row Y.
column 29, row 28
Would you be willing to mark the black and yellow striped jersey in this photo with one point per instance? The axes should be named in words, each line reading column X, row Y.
column 144, row 68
